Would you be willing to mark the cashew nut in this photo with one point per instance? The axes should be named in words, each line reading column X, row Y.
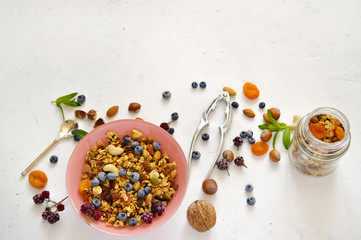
column 154, row 174
column 296, row 119
column 111, row 168
column 113, row 150
column 97, row 190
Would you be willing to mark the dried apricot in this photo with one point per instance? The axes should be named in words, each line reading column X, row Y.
column 318, row 130
column 84, row 185
column 250, row 90
column 340, row 133
column 38, row 179
column 259, row 148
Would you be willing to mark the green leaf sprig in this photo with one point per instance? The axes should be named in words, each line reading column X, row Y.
column 277, row 127
column 68, row 100
column 79, row 133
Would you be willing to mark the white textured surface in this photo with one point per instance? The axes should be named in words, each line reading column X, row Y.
column 301, row 54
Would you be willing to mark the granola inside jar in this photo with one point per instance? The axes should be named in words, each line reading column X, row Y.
column 316, row 152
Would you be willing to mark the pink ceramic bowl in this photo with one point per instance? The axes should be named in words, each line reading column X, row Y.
column 123, row 127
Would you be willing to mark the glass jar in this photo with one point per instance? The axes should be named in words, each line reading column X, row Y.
column 312, row 156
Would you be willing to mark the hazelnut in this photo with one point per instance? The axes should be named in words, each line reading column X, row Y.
column 249, row 113
column 92, row 114
column 266, row 135
column 228, row 155
column 209, row 187
column 201, row 215
column 265, row 117
column 98, row 122
column 275, row 112
column 80, row 114
column 275, row 155
column 134, row 107
column 112, row 111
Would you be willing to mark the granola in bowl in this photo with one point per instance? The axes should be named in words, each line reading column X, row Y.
column 128, row 178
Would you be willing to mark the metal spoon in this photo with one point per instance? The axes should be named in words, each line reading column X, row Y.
column 65, row 131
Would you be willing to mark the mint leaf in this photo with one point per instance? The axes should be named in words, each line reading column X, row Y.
column 272, row 119
column 274, row 138
column 263, row 126
column 273, row 128
column 286, row 137
column 66, row 97
column 62, row 112
column 71, row 103
column 79, row 133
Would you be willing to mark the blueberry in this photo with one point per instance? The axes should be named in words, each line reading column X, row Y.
column 111, row 176
column 141, row 193
column 80, row 99
column 76, row 138
column 205, row 136
column 96, row 202
column 235, row 104
column 196, row 155
column 138, row 150
column 95, row 182
column 122, row 216
column 127, row 139
column 249, row 133
column 157, row 146
column 170, row 131
column 134, row 177
column 248, row 188
column 148, row 190
column 194, row 84
column 166, row 94
column 102, row 176
column 122, row 172
column 134, row 144
column 203, row 84
column 243, row 134
column 53, row 159
column 251, row 201
column 261, row 105
column 128, row 187
column 132, row 222
column 251, row 140
column 174, row 116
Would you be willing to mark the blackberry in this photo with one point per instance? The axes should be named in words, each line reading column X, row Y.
column 38, row 199
column 202, row 84
column 45, row 194
column 158, row 208
column 53, row 217
column 46, row 214
column 87, row 208
column 239, row 161
column 170, row 131
column 222, row 164
column 205, row 136
column 97, row 215
column 235, row 104
column 164, row 125
column 237, row 141
column 60, row 207
column 147, row 217
column 174, row 116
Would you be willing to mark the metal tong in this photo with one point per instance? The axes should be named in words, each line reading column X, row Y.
column 224, row 96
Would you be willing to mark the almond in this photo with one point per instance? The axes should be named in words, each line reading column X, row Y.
column 249, row 113
column 230, row 91
column 112, row 111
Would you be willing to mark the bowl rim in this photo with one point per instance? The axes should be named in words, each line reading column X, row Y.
column 84, row 145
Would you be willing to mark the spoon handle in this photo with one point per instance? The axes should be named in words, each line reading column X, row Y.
column 41, row 154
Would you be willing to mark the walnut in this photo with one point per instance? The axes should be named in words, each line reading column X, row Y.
column 201, row 215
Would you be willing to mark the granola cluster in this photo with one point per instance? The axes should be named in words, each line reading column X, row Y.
column 152, row 166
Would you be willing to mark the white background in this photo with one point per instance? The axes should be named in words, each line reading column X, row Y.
column 301, row 54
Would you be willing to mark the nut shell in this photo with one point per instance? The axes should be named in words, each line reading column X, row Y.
column 201, row 215
column 92, row 114
column 80, row 114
